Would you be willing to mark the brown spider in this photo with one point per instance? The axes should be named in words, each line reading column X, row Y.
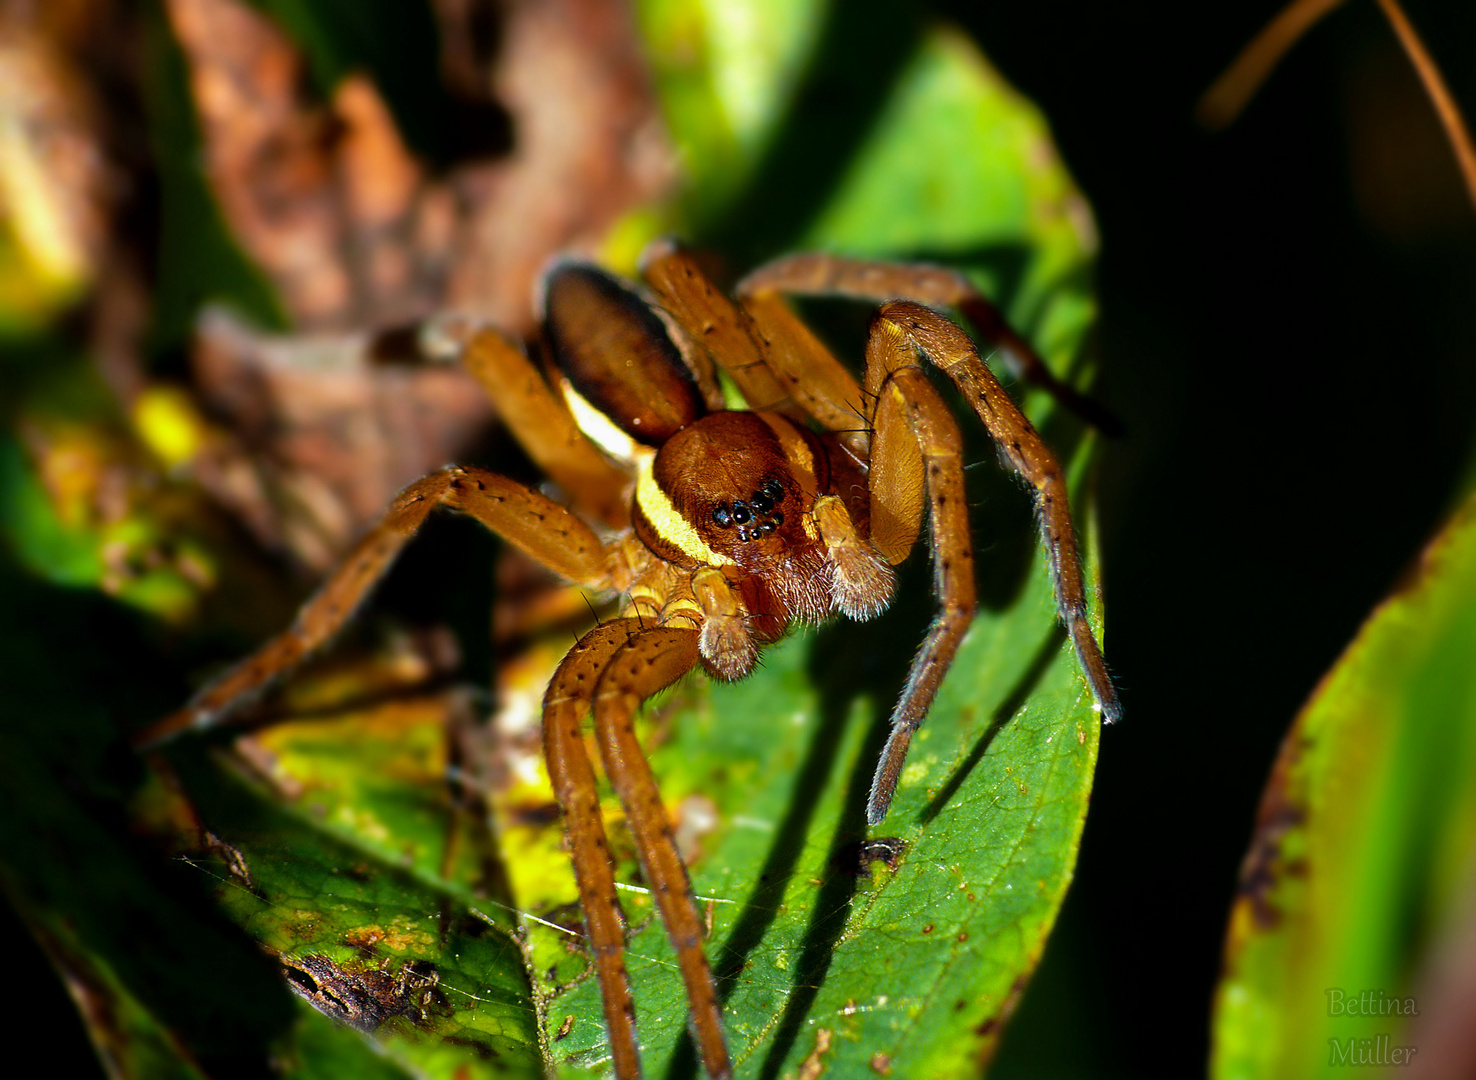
column 718, row 527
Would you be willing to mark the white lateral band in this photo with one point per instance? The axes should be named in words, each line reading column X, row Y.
column 668, row 523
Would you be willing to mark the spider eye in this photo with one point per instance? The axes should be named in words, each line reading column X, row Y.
column 764, row 499
column 722, row 517
column 740, row 513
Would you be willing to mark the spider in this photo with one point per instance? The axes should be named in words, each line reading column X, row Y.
column 718, row 527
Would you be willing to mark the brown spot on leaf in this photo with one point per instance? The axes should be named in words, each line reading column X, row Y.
column 989, row 1029
column 813, row 1067
column 235, row 861
column 1280, row 812
column 364, row 938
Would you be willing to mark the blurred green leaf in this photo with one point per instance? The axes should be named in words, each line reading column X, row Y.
column 1365, row 847
column 727, row 74
column 35, row 532
column 80, row 501
column 959, row 167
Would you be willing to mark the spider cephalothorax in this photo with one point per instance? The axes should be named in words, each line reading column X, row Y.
column 739, row 490
column 715, row 527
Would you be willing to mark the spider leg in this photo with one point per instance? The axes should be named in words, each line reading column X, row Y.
column 936, row 286
column 567, row 700
column 726, row 642
column 907, row 404
column 523, row 517
column 863, row 584
column 716, row 323
column 902, row 330
column 812, row 375
column 778, row 363
column 543, row 425
column 648, row 662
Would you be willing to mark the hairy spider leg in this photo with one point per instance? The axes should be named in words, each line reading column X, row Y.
column 903, row 330
column 568, row 699
column 897, row 489
column 543, row 425
column 907, row 403
column 949, row 348
column 814, row 377
column 626, row 661
column 862, row 584
column 625, row 362
column 716, row 323
column 521, row 516
column 863, row 279
column 650, row 661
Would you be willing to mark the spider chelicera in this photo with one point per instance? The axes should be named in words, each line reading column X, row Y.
column 717, row 527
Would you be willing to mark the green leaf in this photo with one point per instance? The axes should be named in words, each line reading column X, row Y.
column 442, row 990
column 1365, row 846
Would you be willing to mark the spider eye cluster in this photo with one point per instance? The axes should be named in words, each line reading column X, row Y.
column 755, row 517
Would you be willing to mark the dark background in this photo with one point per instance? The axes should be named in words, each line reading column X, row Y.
column 1287, row 331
